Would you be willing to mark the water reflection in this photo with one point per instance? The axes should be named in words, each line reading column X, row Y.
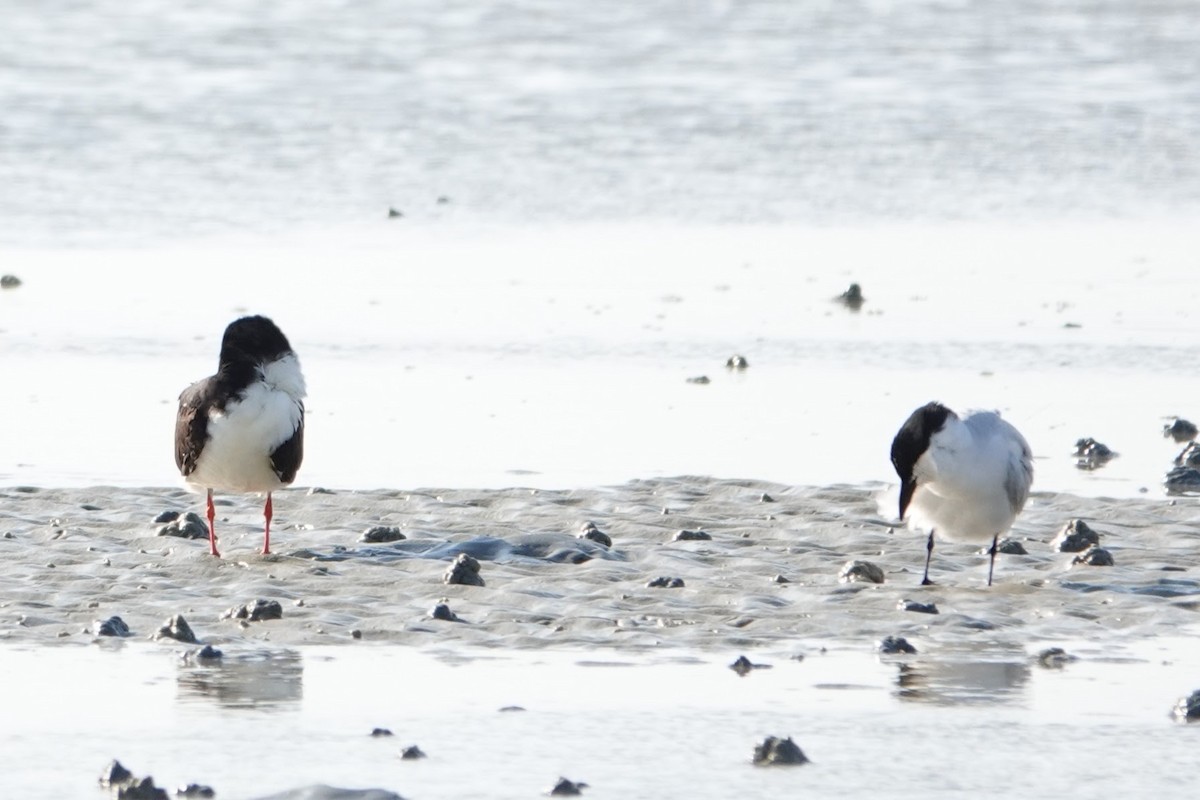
column 256, row 679
column 961, row 679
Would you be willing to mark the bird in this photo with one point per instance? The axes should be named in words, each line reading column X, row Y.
column 967, row 478
column 242, row 428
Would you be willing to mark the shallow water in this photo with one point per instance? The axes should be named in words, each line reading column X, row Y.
column 197, row 119
column 983, row 721
column 631, row 196
column 560, row 357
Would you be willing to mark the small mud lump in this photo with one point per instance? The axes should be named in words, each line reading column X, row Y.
column 1092, row 454
column 920, row 608
column 208, row 653
column 1054, row 658
column 442, row 611
column 141, row 789
column 896, row 645
column 1008, row 547
column 184, row 526
column 1189, row 456
column 736, row 362
column 861, row 572
column 774, row 751
column 464, row 570
column 1180, row 430
column 380, row 534
column 1094, row 556
column 1182, row 480
column 113, row 626
column 261, row 609
column 566, row 788
column 1075, row 537
column 592, row 533
column 177, row 628
column 852, row 298
column 742, row 666
column 115, row 774
column 1188, row 708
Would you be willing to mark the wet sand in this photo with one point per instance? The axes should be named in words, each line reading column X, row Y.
column 766, row 580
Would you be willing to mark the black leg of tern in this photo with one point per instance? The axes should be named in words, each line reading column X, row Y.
column 992, row 561
column 928, row 555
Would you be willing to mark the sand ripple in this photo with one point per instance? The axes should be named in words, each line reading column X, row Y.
column 766, row 578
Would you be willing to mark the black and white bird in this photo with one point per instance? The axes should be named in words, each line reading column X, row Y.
column 242, row 429
column 965, row 477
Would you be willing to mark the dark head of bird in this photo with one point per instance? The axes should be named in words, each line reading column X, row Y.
column 253, row 340
column 911, row 441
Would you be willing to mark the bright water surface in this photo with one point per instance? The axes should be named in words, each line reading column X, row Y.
column 161, row 121
column 630, row 193
column 990, row 724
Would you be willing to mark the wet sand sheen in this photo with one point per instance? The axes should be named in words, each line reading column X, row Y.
column 765, row 578
column 357, row 644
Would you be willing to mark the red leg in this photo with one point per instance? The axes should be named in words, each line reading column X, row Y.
column 267, row 512
column 212, row 528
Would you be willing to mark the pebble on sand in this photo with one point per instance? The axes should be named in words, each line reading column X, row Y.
column 464, row 570
column 9, row 281
column 736, row 362
column 692, row 536
column 1075, row 537
column 1189, row 456
column 412, row 753
column 774, row 751
column 589, row 531
column 208, row 653
column 115, row 774
column 1054, row 658
column 1008, row 547
column 852, row 298
column 564, row 787
column 861, row 572
column 920, row 608
column 1187, row 709
column 1093, row 454
column 664, row 582
column 1182, row 480
column 1094, row 556
column 1181, row 430
column 184, row 526
column 442, row 611
column 896, row 645
column 113, row 626
column 377, row 732
column 380, row 534
column 261, row 609
column 701, row 380
column 141, row 789
column 742, row 666
column 177, row 628
column 195, row 790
